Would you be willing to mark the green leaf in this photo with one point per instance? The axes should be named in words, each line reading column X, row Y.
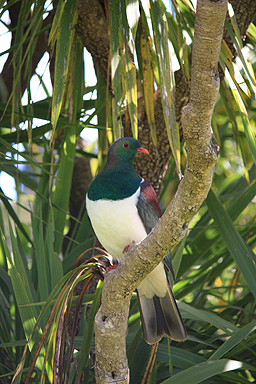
column 160, row 31
column 203, row 371
column 65, row 42
column 208, row 317
column 77, row 250
column 117, row 69
column 22, row 176
column 238, row 204
column 13, row 215
column 129, row 78
column 23, row 154
column 241, row 253
column 198, row 240
column 138, row 361
column 234, row 340
column 250, row 134
column 63, row 186
column 237, row 41
column 144, row 54
column 132, row 12
column 177, row 25
column 41, row 258
column 21, row 289
column 54, row 261
column 65, row 172
column 84, row 361
column 123, row 71
column 130, row 86
column 252, row 33
column 181, row 358
column 227, row 63
column 178, row 256
column 56, row 24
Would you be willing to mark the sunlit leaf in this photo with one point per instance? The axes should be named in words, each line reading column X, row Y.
column 252, row 33
column 132, row 11
column 130, row 85
column 144, row 52
column 117, row 69
column 65, row 40
column 237, row 41
column 166, row 77
column 206, row 370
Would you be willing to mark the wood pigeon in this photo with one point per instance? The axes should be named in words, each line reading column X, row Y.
column 123, row 208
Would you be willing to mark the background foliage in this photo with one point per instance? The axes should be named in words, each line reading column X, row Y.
column 45, row 230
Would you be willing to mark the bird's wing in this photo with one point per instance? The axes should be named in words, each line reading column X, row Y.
column 148, row 206
column 149, row 212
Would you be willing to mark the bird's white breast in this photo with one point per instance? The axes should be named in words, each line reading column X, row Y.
column 116, row 223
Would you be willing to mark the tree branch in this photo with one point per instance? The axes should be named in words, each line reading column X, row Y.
column 111, row 320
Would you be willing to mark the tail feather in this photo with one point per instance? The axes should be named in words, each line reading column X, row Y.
column 160, row 316
column 173, row 323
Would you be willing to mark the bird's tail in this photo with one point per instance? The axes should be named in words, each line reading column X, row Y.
column 160, row 314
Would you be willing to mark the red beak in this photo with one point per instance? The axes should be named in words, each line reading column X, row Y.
column 143, row 150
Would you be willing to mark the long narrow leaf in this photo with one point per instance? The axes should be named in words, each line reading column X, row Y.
column 200, row 372
column 129, row 78
column 89, row 331
column 130, row 86
column 65, row 41
column 237, row 41
column 144, row 50
column 132, row 11
column 41, row 258
column 166, row 77
column 235, row 339
column 208, row 317
column 13, row 215
column 250, row 134
column 241, row 253
column 63, row 185
column 117, row 69
column 22, row 295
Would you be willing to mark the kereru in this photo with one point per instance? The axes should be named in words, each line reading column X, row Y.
column 123, row 208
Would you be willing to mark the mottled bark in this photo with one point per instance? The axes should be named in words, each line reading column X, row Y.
column 92, row 28
column 245, row 12
column 153, row 168
column 111, row 320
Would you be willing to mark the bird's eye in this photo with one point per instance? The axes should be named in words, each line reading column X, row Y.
column 126, row 145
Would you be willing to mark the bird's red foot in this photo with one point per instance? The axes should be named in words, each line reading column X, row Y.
column 125, row 250
column 111, row 267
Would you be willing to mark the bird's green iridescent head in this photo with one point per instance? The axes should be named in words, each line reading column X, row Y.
column 124, row 149
column 118, row 179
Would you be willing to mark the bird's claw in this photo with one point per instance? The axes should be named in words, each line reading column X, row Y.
column 125, row 250
column 111, row 267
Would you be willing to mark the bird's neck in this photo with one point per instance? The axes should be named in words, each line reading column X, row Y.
column 115, row 182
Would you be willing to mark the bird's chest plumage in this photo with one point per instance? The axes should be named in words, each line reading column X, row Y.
column 116, row 223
